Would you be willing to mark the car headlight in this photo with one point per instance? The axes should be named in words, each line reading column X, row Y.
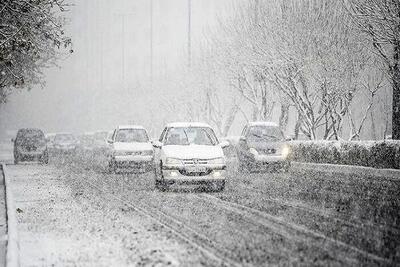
column 285, row 151
column 216, row 161
column 147, row 153
column 173, row 161
column 253, row 151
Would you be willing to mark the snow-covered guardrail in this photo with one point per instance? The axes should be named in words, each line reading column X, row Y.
column 12, row 258
column 385, row 174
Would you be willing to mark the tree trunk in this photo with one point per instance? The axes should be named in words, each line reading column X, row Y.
column 284, row 117
column 373, row 125
column 297, row 127
column 396, row 94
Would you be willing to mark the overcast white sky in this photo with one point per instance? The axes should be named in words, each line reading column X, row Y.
column 103, row 82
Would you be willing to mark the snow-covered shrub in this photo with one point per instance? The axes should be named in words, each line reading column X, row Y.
column 377, row 154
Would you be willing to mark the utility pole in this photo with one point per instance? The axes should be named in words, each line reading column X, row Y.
column 151, row 43
column 189, row 33
column 123, row 33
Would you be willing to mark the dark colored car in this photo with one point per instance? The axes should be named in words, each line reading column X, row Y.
column 30, row 145
column 262, row 145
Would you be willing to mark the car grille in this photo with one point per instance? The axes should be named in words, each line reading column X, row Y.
column 195, row 161
column 186, row 173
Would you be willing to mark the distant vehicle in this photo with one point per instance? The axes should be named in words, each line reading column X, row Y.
column 65, row 142
column 50, row 140
column 30, row 144
column 262, row 144
column 190, row 153
column 130, row 149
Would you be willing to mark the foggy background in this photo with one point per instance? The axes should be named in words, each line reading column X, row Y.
column 107, row 80
column 110, row 78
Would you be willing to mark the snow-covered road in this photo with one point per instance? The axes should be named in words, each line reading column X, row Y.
column 73, row 212
column 62, row 225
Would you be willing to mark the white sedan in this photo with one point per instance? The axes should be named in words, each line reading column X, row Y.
column 190, row 154
column 130, row 149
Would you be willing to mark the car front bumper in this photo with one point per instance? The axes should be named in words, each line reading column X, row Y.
column 181, row 176
column 273, row 158
column 140, row 163
column 31, row 155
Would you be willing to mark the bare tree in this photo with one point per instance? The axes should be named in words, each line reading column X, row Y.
column 380, row 19
column 31, row 34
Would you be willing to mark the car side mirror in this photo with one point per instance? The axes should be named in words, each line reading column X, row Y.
column 110, row 141
column 224, row 144
column 156, row 144
column 242, row 138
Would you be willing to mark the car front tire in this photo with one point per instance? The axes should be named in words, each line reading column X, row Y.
column 220, row 186
column 159, row 182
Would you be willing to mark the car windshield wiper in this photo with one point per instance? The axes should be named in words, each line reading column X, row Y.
column 264, row 136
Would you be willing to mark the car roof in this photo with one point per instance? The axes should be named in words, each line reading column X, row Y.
column 263, row 123
column 187, row 124
column 64, row 133
column 130, row 127
column 30, row 130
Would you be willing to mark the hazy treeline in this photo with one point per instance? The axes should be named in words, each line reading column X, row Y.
column 303, row 63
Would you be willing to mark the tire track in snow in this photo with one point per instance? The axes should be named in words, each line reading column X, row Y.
column 184, row 232
column 281, row 226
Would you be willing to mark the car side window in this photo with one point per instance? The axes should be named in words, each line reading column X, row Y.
column 162, row 135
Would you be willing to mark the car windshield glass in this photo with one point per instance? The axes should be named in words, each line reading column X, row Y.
column 64, row 138
column 264, row 133
column 191, row 135
column 131, row 135
column 30, row 136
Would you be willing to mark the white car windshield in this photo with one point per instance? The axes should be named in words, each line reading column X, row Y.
column 131, row 135
column 190, row 135
column 264, row 133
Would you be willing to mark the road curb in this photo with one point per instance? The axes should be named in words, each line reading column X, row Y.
column 12, row 258
column 384, row 174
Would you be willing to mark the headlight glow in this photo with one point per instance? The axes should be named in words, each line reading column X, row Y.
column 253, row 151
column 217, row 174
column 173, row 161
column 285, row 151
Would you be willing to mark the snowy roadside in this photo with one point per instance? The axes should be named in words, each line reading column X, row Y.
column 389, row 174
column 65, row 226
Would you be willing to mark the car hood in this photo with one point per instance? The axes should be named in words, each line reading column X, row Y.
column 192, row 152
column 120, row 146
column 266, row 145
